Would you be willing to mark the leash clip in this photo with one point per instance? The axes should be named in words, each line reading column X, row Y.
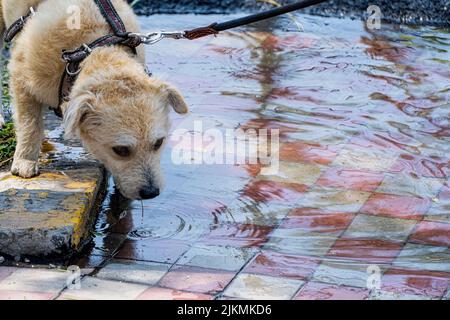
column 155, row 37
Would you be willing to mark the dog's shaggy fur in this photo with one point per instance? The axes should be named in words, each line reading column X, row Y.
column 112, row 104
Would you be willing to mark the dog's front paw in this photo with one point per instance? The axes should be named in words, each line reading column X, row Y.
column 25, row 168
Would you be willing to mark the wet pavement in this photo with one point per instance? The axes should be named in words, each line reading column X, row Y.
column 415, row 12
column 359, row 208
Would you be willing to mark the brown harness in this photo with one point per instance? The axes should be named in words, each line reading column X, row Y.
column 73, row 58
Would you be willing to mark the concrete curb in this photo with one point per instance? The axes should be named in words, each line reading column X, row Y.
column 51, row 215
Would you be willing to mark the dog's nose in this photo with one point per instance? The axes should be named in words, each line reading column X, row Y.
column 149, row 192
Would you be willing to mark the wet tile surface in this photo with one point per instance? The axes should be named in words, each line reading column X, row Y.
column 250, row 286
column 323, row 291
column 282, row 265
column 136, row 272
column 196, row 279
column 362, row 182
column 100, row 289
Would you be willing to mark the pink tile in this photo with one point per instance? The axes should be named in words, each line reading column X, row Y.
column 323, row 291
column 282, row 265
column 157, row 293
column 418, row 282
column 300, row 151
column 388, row 205
column 317, row 220
column 23, row 295
column 236, row 234
column 367, row 250
column 350, row 179
column 434, row 233
column 266, row 191
column 196, row 279
column 158, row 251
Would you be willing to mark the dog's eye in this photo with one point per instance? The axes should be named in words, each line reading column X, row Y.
column 122, row 151
column 158, row 144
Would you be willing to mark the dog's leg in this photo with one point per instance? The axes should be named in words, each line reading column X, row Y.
column 29, row 123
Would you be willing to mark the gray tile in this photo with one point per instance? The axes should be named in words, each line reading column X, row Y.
column 99, row 289
column 301, row 242
column 422, row 257
column 217, row 257
column 374, row 227
column 345, row 273
column 258, row 287
column 407, row 185
column 35, row 280
column 138, row 272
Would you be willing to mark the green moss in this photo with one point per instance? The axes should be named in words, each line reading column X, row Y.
column 7, row 143
column 7, row 135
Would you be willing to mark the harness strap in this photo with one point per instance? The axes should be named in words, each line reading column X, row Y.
column 17, row 26
column 73, row 59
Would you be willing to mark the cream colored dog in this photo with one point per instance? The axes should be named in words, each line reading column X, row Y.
column 119, row 113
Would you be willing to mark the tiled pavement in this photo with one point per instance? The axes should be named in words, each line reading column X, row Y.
column 344, row 204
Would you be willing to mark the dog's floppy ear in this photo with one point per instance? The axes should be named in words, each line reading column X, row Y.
column 173, row 98
column 79, row 115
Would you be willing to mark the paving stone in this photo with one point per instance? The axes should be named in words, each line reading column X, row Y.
column 300, row 242
column 407, row 185
column 157, row 293
column 292, row 172
column 324, row 291
column 440, row 207
column 100, row 289
column 237, row 235
column 340, row 273
column 367, row 250
column 259, row 287
column 416, row 282
column 272, row 263
column 6, row 271
column 365, row 159
column 196, row 279
column 300, row 151
column 217, row 257
column 35, row 281
column 47, row 214
column 350, row 179
column 383, row 295
column 424, row 257
column 432, row 233
column 394, row 206
column 148, row 273
column 22, row 295
column 165, row 250
column 333, row 199
column 317, row 220
column 374, row 227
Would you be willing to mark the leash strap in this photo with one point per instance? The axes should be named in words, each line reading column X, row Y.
column 17, row 26
column 112, row 17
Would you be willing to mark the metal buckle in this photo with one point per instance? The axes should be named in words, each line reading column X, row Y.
column 154, row 37
column 87, row 49
column 70, row 73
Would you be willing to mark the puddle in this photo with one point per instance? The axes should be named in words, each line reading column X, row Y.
column 364, row 132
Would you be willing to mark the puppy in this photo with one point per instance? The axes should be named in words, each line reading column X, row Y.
column 120, row 114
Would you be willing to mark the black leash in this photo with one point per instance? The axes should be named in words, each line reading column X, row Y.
column 215, row 28
column 262, row 15
column 120, row 36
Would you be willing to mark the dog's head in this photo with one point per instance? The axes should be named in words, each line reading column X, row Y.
column 124, row 122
